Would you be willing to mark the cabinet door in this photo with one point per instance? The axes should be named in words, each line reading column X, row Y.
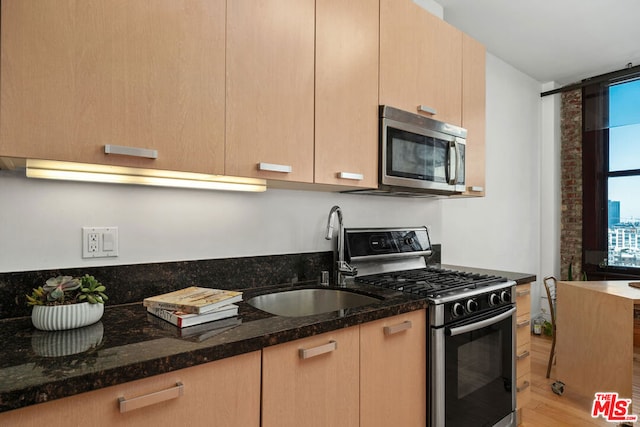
column 346, row 95
column 473, row 113
column 270, row 72
column 420, row 61
column 77, row 75
column 317, row 389
column 221, row 393
column 393, row 371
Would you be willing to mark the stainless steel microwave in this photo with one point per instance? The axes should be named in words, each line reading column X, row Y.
column 419, row 156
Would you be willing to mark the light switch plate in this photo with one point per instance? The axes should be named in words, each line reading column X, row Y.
column 99, row 242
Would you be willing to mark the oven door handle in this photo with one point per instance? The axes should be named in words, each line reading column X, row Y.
column 481, row 324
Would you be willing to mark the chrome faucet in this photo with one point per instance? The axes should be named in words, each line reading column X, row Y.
column 343, row 269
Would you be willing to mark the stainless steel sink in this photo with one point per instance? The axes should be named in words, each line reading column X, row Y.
column 306, row 302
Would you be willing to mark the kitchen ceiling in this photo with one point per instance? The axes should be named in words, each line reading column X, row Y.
column 563, row 41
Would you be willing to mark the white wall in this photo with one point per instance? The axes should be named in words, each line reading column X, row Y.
column 502, row 230
column 550, row 195
column 432, row 6
column 40, row 221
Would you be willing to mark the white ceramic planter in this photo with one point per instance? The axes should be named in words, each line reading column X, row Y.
column 61, row 317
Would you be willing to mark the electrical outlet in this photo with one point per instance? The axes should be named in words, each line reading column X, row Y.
column 92, row 242
column 99, row 242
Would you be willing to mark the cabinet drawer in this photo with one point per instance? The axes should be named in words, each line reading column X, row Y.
column 523, row 299
column 523, row 390
column 523, row 330
column 212, row 386
column 523, row 360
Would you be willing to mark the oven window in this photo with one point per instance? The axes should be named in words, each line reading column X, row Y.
column 479, row 375
column 476, row 372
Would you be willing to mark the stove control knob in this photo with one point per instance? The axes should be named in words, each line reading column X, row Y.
column 494, row 299
column 409, row 241
column 505, row 296
column 457, row 310
column 472, row 305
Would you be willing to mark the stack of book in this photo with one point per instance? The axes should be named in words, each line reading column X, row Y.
column 194, row 305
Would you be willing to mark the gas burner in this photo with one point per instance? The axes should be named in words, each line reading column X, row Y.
column 431, row 282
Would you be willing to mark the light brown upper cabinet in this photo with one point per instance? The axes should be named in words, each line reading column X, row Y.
column 79, row 75
column 420, row 61
column 473, row 113
column 346, row 93
column 270, row 89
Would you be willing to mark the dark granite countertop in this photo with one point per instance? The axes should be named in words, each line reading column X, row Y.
column 129, row 344
column 519, row 278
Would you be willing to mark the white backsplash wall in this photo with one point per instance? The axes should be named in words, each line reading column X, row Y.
column 502, row 230
column 41, row 221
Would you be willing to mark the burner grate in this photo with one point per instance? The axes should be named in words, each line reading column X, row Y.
column 428, row 282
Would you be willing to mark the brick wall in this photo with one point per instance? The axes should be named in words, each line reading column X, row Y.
column 571, row 184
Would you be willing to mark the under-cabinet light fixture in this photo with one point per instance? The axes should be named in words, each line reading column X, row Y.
column 69, row 171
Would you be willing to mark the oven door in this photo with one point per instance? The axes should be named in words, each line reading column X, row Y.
column 473, row 371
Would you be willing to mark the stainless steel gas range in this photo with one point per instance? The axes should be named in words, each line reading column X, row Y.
column 471, row 339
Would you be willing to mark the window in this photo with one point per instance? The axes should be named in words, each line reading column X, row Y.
column 611, row 176
column 623, row 175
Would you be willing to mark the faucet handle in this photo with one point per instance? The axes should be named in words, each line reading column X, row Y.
column 346, row 269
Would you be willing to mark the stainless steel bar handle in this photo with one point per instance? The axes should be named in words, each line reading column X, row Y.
column 351, row 175
column 459, row 164
column 523, row 355
column 127, row 405
column 425, row 109
column 523, row 323
column 453, row 163
column 317, row 351
column 400, row 327
column 147, row 153
column 525, row 386
column 523, row 293
column 271, row 167
column 481, row 324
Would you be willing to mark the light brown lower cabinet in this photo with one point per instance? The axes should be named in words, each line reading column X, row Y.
column 393, row 371
column 368, row 375
column 221, row 393
column 523, row 348
column 312, row 381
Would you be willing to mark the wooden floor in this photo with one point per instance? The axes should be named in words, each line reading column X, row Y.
column 547, row 409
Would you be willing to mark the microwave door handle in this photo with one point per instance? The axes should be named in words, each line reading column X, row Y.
column 459, row 165
column 453, row 165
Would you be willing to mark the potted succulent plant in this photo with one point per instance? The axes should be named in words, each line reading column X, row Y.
column 65, row 302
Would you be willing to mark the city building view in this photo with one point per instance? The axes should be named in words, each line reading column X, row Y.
column 623, row 238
